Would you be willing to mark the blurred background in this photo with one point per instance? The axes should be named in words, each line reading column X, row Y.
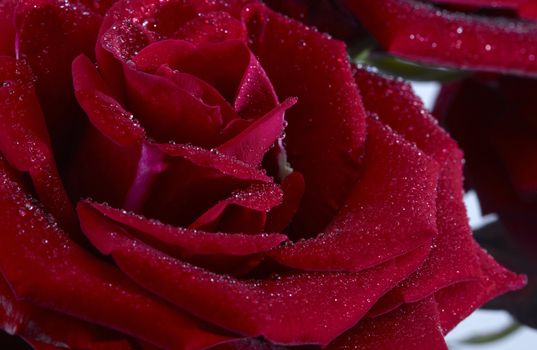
column 484, row 329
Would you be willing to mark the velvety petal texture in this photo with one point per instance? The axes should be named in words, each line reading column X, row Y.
column 419, row 31
column 220, row 176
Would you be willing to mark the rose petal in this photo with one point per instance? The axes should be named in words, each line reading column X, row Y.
column 452, row 257
column 327, row 126
column 508, row 4
column 109, row 157
column 194, row 181
column 36, row 324
column 201, row 90
column 422, row 32
column 39, row 262
column 50, row 34
column 326, row 15
column 104, row 112
column 186, row 242
column 412, row 326
column 280, row 216
column 24, row 139
column 7, row 27
column 459, row 300
column 499, row 242
column 211, row 27
column 323, row 304
column 398, row 182
column 169, row 113
column 252, row 143
column 463, row 107
column 255, row 94
column 243, row 211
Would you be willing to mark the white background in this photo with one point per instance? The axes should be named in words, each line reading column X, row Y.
column 481, row 322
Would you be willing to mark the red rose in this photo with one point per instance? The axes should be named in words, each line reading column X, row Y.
column 219, row 229
column 494, row 120
column 419, row 31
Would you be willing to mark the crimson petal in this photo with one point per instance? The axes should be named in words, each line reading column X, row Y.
column 259, row 307
column 39, row 262
column 7, row 27
column 452, row 257
column 24, row 139
column 293, row 189
column 252, row 143
column 327, row 126
column 412, row 326
column 422, row 32
column 50, row 34
column 36, row 324
column 106, row 161
column 398, row 182
column 459, row 300
column 169, row 113
column 187, row 241
column 243, row 211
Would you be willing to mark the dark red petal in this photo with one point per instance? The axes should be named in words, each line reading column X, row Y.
column 452, row 257
column 50, row 34
column 211, row 27
column 186, row 242
column 7, row 27
column 255, row 94
column 251, row 344
column 323, row 304
column 44, row 267
column 280, row 216
column 412, row 326
column 226, row 214
column 37, row 324
column 108, row 157
column 194, row 181
column 500, row 243
column 516, row 147
column 201, row 90
column 464, row 107
column 459, row 300
column 24, row 139
column 253, row 142
column 483, row 3
column 327, row 126
column 421, row 32
column 327, row 16
column 169, row 52
column 104, row 112
column 169, row 113
column 398, row 182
